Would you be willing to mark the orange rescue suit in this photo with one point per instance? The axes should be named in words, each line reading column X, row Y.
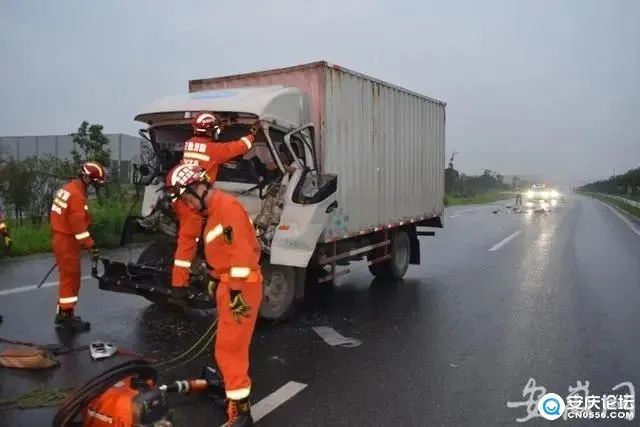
column 208, row 155
column 3, row 227
column 70, row 221
column 232, row 249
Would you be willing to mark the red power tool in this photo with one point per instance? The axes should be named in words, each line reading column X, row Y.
column 128, row 395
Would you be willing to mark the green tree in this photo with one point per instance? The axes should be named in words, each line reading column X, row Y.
column 90, row 144
column 29, row 185
column 15, row 188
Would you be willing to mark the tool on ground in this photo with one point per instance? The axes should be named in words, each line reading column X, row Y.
column 44, row 279
column 27, row 358
column 102, row 350
column 128, row 395
column 40, row 398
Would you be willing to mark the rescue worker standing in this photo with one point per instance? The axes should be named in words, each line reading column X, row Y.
column 70, row 221
column 201, row 150
column 6, row 239
column 233, row 251
column 4, row 233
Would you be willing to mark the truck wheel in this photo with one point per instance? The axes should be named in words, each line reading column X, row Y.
column 279, row 291
column 395, row 267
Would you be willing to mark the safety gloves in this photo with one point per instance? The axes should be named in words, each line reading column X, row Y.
column 253, row 130
column 95, row 253
column 239, row 308
column 7, row 242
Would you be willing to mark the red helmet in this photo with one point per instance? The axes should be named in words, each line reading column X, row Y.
column 182, row 176
column 204, row 122
column 93, row 170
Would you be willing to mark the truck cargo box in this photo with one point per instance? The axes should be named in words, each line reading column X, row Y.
column 385, row 143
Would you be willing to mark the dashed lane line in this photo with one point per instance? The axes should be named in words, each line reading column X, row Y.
column 275, row 399
column 504, row 241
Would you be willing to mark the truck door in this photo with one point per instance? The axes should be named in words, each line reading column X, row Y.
column 308, row 201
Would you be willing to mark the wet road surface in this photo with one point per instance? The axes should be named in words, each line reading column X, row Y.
column 499, row 299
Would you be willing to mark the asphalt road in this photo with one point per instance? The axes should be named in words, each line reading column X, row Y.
column 499, row 299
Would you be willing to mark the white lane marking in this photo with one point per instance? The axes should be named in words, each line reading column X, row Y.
column 334, row 338
column 34, row 287
column 622, row 217
column 504, row 241
column 275, row 399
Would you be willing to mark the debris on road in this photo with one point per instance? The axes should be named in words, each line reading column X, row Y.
column 334, row 338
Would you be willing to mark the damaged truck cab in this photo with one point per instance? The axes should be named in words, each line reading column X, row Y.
column 311, row 182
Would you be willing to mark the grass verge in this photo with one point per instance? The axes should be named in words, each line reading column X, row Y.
column 108, row 219
column 631, row 210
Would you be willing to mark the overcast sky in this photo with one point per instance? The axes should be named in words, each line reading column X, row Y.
column 550, row 87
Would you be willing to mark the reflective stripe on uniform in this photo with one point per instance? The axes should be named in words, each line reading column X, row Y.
column 215, row 232
column 182, row 263
column 69, row 300
column 238, row 394
column 81, row 236
column 239, row 272
column 246, row 141
column 60, row 203
column 197, row 156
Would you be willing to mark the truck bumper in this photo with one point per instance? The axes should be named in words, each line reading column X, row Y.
column 149, row 282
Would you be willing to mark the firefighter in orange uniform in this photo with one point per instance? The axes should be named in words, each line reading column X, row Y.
column 201, row 150
column 233, row 251
column 6, row 238
column 4, row 233
column 70, row 220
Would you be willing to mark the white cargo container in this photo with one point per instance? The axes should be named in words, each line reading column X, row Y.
column 385, row 143
column 370, row 170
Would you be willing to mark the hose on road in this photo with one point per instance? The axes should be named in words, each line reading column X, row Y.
column 43, row 398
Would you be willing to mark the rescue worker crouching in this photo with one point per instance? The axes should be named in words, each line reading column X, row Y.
column 201, row 150
column 233, row 252
column 70, row 221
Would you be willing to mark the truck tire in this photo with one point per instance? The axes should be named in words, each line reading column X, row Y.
column 278, row 292
column 395, row 267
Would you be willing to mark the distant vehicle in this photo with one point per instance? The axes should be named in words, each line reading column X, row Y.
column 542, row 197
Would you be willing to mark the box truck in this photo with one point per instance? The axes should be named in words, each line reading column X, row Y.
column 345, row 168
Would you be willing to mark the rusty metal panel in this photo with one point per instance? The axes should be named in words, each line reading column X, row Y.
column 309, row 78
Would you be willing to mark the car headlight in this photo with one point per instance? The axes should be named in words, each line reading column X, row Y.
column 545, row 194
column 530, row 194
column 554, row 194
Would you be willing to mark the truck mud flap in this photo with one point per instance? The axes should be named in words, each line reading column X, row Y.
column 150, row 282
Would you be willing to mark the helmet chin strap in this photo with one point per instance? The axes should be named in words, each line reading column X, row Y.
column 201, row 198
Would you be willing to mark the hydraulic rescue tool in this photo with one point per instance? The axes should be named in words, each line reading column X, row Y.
column 128, row 395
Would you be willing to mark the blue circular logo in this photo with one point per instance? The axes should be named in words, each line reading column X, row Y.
column 551, row 406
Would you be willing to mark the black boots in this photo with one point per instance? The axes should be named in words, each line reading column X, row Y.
column 239, row 413
column 65, row 320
